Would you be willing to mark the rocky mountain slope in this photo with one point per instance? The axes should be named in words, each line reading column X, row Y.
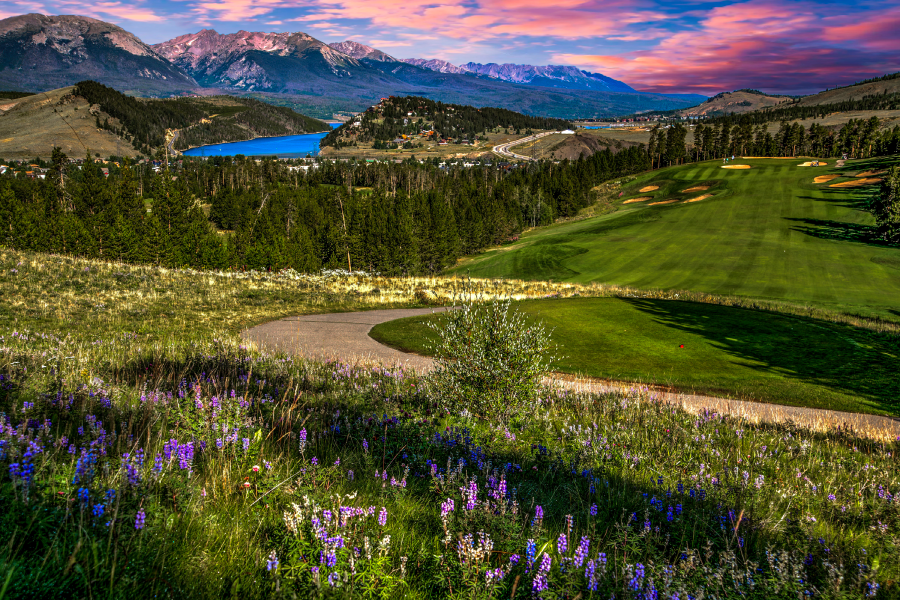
column 552, row 76
column 47, row 52
column 549, row 76
column 361, row 51
column 435, row 64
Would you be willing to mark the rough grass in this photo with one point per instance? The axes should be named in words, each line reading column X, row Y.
column 707, row 505
column 707, row 349
column 767, row 233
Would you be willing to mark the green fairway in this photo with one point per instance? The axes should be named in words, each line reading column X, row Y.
column 726, row 351
column 767, row 232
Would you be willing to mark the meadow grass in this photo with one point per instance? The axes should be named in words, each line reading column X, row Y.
column 766, row 233
column 706, row 349
column 146, row 453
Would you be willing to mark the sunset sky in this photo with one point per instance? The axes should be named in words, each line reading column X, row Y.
column 786, row 47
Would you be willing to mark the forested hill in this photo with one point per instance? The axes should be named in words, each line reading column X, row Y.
column 412, row 115
column 212, row 120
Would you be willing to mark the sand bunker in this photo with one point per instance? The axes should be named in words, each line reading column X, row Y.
column 869, row 173
column 825, row 178
column 698, row 198
column 809, row 164
column 649, row 188
column 769, row 157
column 673, row 200
column 857, row 182
column 697, row 188
column 641, row 199
column 736, row 167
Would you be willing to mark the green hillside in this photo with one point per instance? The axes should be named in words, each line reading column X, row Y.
column 767, row 232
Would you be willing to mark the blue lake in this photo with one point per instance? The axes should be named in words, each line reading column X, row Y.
column 286, row 146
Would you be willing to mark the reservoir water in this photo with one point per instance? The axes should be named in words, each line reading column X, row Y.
column 285, row 146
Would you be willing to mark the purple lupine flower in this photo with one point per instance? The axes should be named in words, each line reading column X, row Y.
column 302, row 436
column 139, row 519
column 99, row 509
column 447, row 507
column 638, row 580
column 514, row 559
column 84, row 495
column 562, row 543
column 246, row 442
column 314, row 460
column 365, row 445
column 530, row 550
column 538, row 515
column 593, row 510
column 590, row 573
column 382, row 517
column 539, row 584
column 582, row 551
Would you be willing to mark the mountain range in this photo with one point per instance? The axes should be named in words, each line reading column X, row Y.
column 39, row 52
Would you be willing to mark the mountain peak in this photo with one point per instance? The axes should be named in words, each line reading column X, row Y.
column 360, row 51
column 61, row 50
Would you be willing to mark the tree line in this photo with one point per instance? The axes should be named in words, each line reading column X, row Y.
column 235, row 213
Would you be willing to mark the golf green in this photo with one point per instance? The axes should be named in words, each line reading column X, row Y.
column 767, row 232
column 708, row 349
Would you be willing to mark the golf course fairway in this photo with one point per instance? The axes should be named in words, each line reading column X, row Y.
column 707, row 349
column 765, row 232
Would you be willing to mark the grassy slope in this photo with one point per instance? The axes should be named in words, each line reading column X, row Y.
column 727, row 351
column 769, row 233
column 209, row 529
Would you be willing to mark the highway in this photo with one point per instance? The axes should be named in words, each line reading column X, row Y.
column 504, row 149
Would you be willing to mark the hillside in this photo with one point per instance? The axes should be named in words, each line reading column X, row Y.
column 93, row 117
column 884, row 86
column 420, row 119
column 33, row 125
column 737, row 102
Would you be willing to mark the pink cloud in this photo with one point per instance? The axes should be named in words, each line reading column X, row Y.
column 752, row 44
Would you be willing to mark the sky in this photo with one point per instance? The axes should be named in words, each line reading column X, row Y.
column 680, row 46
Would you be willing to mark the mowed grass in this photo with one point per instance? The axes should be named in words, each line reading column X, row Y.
column 726, row 351
column 767, row 232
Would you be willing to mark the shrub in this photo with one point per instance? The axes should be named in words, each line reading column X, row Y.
column 489, row 360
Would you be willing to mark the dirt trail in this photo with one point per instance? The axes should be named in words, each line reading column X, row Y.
column 345, row 337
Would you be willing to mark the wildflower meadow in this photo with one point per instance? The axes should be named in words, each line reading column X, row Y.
column 146, row 453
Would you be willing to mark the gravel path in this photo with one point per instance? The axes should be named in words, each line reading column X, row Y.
column 345, row 337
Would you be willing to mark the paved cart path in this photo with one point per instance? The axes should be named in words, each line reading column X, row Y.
column 345, row 337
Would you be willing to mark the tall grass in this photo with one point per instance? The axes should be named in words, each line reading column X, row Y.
column 145, row 453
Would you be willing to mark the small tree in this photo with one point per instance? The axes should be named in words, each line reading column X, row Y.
column 490, row 360
column 886, row 207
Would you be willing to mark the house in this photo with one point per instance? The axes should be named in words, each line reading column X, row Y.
column 105, row 171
